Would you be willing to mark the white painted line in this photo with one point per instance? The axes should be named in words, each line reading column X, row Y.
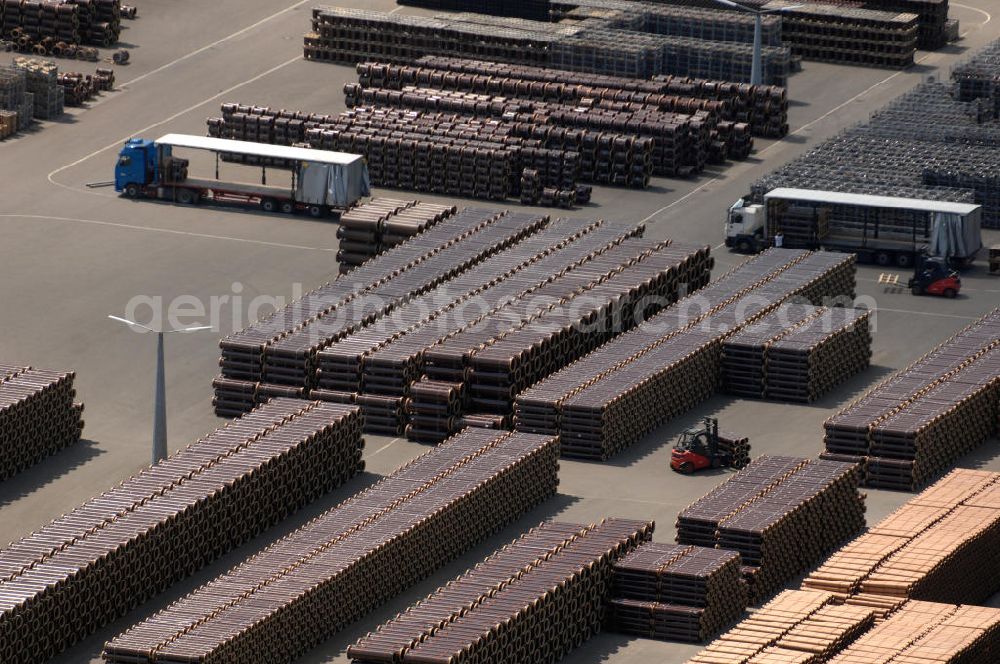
column 176, row 115
column 974, row 9
column 926, row 313
column 207, row 47
column 170, row 231
column 386, row 446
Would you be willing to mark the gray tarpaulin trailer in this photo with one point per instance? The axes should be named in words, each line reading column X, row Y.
column 321, row 180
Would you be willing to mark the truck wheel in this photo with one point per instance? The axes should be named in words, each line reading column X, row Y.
column 883, row 258
column 186, row 197
column 269, row 205
column 287, row 207
column 744, row 247
column 132, row 190
column 685, row 468
column 904, row 260
column 917, row 290
column 950, row 293
column 316, row 211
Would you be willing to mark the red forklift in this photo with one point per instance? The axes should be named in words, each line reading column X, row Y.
column 932, row 276
column 698, row 449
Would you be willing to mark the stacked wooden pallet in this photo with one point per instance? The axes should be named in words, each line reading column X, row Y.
column 253, row 368
column 676, row 593
column 796, row 627
column 782, row 514
column 305, row 587
column 534, row 600
column 37, row 416
column 381, row 224
column 102, row 559
column 943, row 545
column 43, row 82
column 914, row 425
column 798, row 353
column 612, row 397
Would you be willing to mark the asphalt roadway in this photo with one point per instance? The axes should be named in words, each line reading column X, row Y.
column 70, row 255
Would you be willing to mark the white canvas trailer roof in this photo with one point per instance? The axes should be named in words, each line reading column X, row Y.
column 258, row 149
column 867, row 200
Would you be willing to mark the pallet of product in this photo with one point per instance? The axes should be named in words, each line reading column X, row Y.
column 676, row 593
column 288, row 598
column 781, row 514
column 910, row 427
column 925, row 549
column 796, row 627
column 38, row 416
column 100, row 560
column 540, row 595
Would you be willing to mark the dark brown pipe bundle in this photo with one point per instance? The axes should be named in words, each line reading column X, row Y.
column 311, row 584
column 913, row 425
column 99, row 561
column 798, row 353
column 37, row 416
column 629, row 386
column 781, row 514
column 676, row 593
column 281, row 348
column 381, row 224
column 534, row 600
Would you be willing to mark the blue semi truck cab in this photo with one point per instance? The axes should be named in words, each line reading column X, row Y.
column 138, row 167
column 321, row 180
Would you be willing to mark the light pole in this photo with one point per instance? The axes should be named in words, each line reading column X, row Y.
column 160, row 392
column 756, row 67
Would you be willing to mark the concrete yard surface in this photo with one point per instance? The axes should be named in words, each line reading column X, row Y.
column 71, row 255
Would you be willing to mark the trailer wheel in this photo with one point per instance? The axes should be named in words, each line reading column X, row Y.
column 186, row 197
column 132, row 190
column 950, row 293
column 904, row 260
column 287, row 207
column 269, row 205
column 316, row 211
column 883, row 258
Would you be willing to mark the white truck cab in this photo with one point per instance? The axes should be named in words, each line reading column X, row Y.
column 745, row 227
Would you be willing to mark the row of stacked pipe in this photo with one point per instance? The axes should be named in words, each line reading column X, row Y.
column 676, row 592
column 814, row 31
column 474, row 129
column 349, row 36
column 781, row 514
column 901, row 591
column 609, row 399
column 910, row 427
column 935, row 142
column 101, row 560
column 47, row 25
column 297, row 592
column 532, row 601
column 500, row 284
column 380, row 224
column 798, row 353
column 38, row 416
